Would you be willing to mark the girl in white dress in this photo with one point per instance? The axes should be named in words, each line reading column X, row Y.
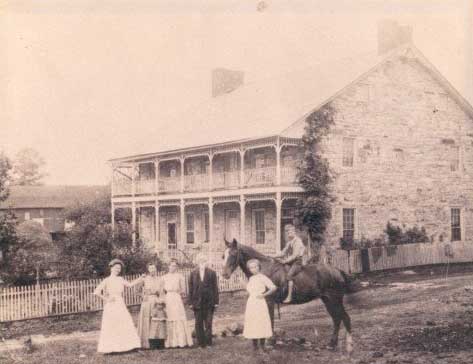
column 257, row 320
column 118, row 333
column 178, row 331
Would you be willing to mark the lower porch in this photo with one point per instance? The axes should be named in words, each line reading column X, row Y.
column 182, row 228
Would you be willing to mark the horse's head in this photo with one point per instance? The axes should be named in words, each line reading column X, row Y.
column 231, row 258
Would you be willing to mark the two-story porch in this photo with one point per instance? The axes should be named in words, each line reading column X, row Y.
column 198, row 197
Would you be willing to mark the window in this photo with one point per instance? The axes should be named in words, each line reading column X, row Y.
column 206, row 228
column 288, row 213
column 190, row 228
column 348, row 151
column 259, row 226
column 27, row 215
column 454, row 158
column 456, row 224
column 348, row 224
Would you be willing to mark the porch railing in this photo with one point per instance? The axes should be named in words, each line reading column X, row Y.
column 260, row 176
column 169, row 184
column 145, row 186
column 289, row 175
column 226, row 180
column 197, row 182
column 121, row 186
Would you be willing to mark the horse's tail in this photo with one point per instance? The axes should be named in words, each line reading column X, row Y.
column 351, row 286
column 349, row 283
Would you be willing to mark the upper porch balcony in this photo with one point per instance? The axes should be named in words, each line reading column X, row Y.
column 258, row 166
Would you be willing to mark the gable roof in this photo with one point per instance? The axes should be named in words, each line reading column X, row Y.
column 50, row 196
column 410, row 50
column 278, row 106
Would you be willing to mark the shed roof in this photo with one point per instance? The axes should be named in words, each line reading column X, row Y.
column 27, row 197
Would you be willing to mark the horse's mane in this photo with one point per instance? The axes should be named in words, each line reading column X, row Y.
column 253, row 253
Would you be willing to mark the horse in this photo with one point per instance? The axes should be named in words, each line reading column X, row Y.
column 313, row 282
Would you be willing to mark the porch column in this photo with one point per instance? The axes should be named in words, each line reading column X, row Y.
column 242, row 219
column 113, row 216
column 157, row 236
column 278, row 202
column 211, row 222
column 133, row 187
column 182, row 159
column 278, row 163
column 133, row 222
column 113, row 181
column 183, row 224
column 156, row 172
column 242, row 167
column 211, row 180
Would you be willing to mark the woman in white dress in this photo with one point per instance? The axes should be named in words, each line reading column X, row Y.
column 118, row 333
column 178, row 331
column 257, row 321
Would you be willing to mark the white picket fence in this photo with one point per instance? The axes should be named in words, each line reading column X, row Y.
column 60, row 298
column 68, row 297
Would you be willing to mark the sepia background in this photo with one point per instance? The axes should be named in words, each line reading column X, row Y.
column 87, row 81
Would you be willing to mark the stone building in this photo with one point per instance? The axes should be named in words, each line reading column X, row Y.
column 400, row 150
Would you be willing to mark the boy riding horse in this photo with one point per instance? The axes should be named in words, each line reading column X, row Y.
column 293, row 254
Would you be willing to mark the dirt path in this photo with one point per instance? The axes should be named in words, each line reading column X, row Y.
column 402, row 321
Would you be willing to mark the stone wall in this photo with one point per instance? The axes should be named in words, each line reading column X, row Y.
column 407, row 132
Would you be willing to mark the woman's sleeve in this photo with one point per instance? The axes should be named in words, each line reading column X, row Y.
column 268, row 283
column 126, row 283
column 100, row 287
column 182, row 283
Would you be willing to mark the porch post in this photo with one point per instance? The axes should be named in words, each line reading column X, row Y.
column 156, row 172
column 157, row 236
column 242, row 167
column 211, row 223
column 133, row 187
column 278, row 202
column 133, row 222
column 183, row 225
column 182, row 159
column 278, row 162
column 211, row 181
column 242, row 218
column 113, row 216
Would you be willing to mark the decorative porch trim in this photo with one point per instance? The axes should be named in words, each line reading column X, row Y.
column 260, row 197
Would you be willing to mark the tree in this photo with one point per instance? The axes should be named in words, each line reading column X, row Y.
column 31, row 256
column 5, row 167
column 91, row 243
column 27, row 168
column 314, row 210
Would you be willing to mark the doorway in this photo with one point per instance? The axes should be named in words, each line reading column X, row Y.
column 232, row 225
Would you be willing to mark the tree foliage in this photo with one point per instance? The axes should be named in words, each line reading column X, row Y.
column 28, row 168
column 5, row 167
column 314, row 210
column 90, row 244
column 32, row 254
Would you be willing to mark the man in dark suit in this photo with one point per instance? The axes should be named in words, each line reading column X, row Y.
column 203, row 299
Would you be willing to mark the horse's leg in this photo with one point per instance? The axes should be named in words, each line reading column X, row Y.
column 331, row 306
column 270, row 303
column 347, row 323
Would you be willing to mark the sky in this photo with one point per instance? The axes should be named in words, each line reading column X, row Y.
column 84, row 81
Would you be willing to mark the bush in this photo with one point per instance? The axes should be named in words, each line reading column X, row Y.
column 363, row 243
column 31, row 256
column 396, row 235
column 90, row 244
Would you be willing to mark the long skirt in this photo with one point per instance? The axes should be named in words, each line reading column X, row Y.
column 257, row 320
column 178, row 331
column 118, row 333
column 144, row 320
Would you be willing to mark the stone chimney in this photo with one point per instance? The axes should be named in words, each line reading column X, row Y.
column 392, row 35
column 225, row 81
